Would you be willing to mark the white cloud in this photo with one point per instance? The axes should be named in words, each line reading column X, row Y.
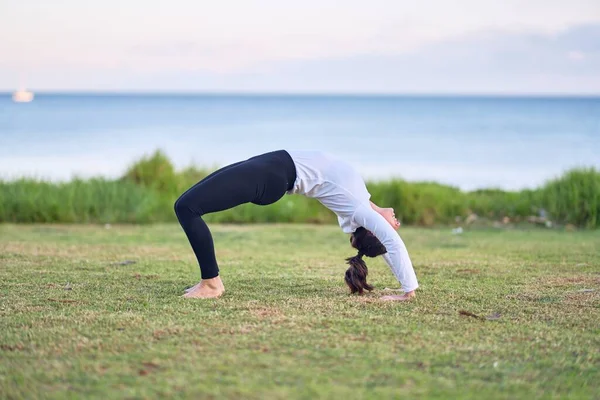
column 576, row 55
column 111, row 40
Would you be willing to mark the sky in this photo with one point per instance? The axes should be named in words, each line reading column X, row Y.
column 375, row 46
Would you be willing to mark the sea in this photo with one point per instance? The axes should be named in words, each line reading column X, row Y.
column 470, row 142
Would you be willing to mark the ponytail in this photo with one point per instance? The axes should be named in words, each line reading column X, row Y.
column 367, row 245
column 356, row 275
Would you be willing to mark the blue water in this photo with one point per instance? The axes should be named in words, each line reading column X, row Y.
column 470, row 142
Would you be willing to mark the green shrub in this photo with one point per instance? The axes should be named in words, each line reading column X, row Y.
column 574, row 198
column 148, row 189
column 497, row 204
column 155, row 172
column 93, row 200
column 421, row 203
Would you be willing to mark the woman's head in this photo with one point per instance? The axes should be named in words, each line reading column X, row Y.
column 368, row 245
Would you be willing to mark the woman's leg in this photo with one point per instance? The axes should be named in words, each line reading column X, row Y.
column 189, row 289
column 225, row 168
column 225, row 189
column 261, row 180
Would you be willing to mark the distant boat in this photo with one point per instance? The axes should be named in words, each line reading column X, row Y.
column 22, row 96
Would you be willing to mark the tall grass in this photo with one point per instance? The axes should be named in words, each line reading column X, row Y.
column 147, row 190
column 420, row 203
column 93, row 200
column 574, row 198
column 496, row 204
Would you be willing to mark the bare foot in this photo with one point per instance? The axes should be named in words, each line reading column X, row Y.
column 207, row 289
column 192, row 287
column 402, row 297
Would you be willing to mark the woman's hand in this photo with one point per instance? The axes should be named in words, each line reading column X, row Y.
column 390, row 217
column 388, row 214
column 399, row 297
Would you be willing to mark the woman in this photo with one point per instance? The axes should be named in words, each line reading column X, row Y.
column 263, row 180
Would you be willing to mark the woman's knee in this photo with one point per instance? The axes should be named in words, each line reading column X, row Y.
column 185, row 206
column 181, row 206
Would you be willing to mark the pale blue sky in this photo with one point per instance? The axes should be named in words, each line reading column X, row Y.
column 389, row 46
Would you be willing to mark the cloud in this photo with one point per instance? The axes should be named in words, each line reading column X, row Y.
column 491, row 61
column 576, row 55
column 482, row 62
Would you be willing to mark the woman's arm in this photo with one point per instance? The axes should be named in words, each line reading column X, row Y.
column 397, row 256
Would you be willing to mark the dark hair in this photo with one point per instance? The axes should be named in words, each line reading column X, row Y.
column 367, row 244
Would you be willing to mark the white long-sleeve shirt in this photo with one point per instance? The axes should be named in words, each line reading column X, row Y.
column 340, row 188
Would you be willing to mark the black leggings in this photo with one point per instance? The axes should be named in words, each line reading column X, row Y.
column 260, row 180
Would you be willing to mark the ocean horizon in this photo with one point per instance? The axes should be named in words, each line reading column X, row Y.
column 474, row 141
column 193, row 93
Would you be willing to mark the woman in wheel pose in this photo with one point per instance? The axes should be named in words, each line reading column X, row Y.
column 263, row 180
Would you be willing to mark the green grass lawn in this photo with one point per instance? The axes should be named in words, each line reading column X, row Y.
column 77, row 321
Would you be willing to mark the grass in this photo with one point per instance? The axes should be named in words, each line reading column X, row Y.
column 77, row 320
column 148, row 189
